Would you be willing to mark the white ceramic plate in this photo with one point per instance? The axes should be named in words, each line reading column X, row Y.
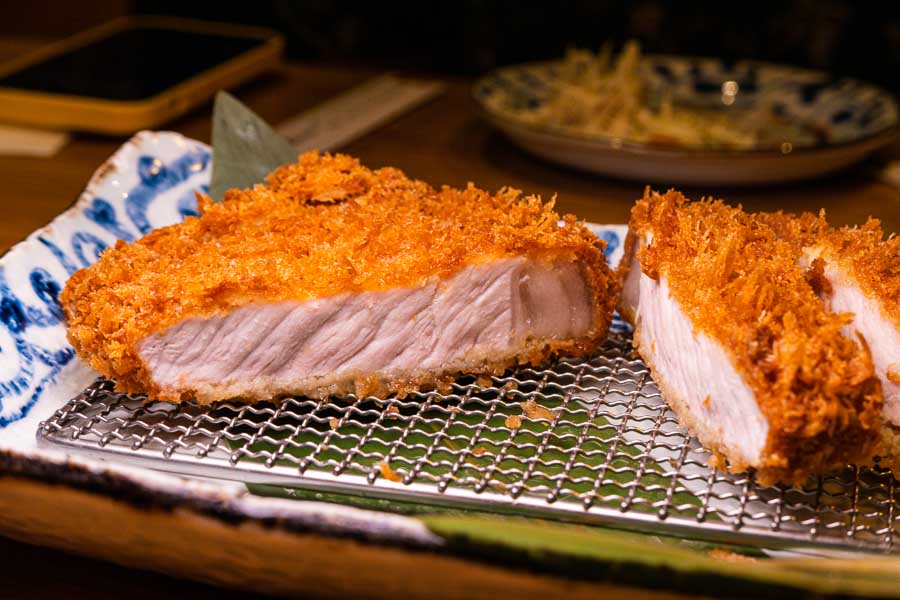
column 852, row 119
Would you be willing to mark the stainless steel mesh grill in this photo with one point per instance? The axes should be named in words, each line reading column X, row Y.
column 583, row 440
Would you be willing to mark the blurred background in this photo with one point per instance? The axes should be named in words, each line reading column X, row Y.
column 468, row 37
column 334, row 46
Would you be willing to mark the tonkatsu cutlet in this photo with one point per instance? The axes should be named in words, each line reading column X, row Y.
column 332, row 278
column 740, row 345
column 861, row 275
column 856, row 270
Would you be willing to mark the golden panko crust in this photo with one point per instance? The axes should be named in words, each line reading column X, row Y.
column 740, row 284
column 870, row 259
column 863, row 253
column 798, row 230
column 319, row 227
column 888, row 450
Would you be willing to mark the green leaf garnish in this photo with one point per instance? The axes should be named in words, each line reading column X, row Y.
column 245, row 148
column 643, row 561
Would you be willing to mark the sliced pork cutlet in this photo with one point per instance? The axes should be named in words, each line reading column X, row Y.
column 332, row 278
column 856, row 270
column 740, row 345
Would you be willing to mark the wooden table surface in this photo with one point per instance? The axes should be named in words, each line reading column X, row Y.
column 443, row 142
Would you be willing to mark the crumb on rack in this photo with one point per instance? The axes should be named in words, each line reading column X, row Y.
column 513, row 421
column 533, row 410
column 388, row 473
column 729, row 556
column 893, row 373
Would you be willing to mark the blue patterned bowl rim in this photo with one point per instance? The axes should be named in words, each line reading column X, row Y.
column 531, row 72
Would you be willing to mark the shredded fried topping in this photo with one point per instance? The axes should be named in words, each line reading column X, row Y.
column 798, row 230
column 863, row 253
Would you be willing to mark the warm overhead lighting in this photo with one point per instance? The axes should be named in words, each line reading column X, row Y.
column 730, row 90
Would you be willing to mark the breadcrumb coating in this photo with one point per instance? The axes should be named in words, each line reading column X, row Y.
column 319, row 227
column 889, row 448
column 871, row 259
column 864, row 253
column 741, row 286
column 798, row 230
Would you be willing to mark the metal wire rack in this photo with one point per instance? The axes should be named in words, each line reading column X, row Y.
column 587, row 440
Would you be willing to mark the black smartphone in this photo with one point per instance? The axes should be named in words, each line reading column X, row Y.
column 132, row 73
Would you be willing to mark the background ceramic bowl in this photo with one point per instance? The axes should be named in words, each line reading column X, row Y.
column 851, row 118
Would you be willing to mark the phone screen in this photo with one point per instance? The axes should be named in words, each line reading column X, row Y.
column 131, row 64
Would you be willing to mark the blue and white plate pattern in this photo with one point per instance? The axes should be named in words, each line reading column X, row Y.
column 150, row 182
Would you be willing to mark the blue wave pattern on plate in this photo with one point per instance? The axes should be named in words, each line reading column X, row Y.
column 612, row 242
column 29, row 365
column 842, row 110
column 157, row 178
column 151, row 185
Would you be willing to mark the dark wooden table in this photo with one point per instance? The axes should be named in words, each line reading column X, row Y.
column 34, row 572
column 443, row 142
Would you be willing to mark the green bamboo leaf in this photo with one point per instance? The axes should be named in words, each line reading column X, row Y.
column 356, row 501
column 245, row 148
column 644, row 561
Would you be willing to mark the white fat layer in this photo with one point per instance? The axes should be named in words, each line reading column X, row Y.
column 631, row 288
column 696, row 375
column 870, row 322
column 487, row 311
